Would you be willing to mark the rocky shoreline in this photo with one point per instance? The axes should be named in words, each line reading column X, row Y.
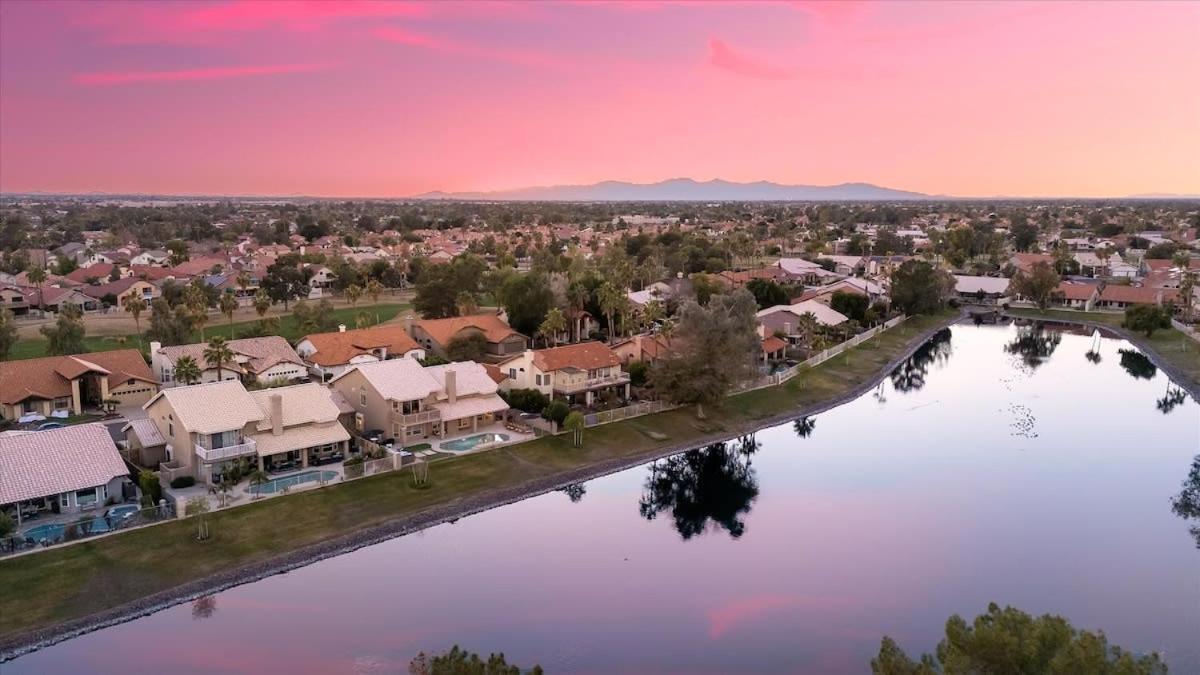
column 23, row 643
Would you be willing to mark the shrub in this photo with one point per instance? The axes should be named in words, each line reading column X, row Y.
column 556, row 412
column 151, row 488
column 526, row 400
column 638, row 373
column 183, row 482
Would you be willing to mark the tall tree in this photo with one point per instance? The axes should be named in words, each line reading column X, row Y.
column 920, row 288
column 713, row 350
column 354, row 293
column 554, row 324
column 612, row 300
column 135, row 304
column 228, row 304
column 8, row 333
column 67, row 333
column 1039, row 285
column 37, row 277
column 526, row 299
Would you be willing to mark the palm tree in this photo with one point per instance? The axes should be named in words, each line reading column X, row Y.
column 577, row 295
column 37, row 276
column 652, row 313
column 262, row 303
column 374, row 290
column 1187, row 292
column 243, row 281
column 610, row 298
column 228, row 304
column 218, row 353
column 186, row 370
column 257, row 478
column 354, row 293
column 554, row 323
column 197, row 301
column 135, row 304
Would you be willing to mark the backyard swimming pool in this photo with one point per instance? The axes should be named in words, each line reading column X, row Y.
column 277, row 484
column 472, row 442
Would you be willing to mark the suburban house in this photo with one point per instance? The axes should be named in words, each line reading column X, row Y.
column 120, row 289
column 806, row 272
column 265, row 359
column 1025, row 262
column 435, row 335
column 409, row 402
column 657, row 291
column 52, row 298
column 68, row 470
column 574, row 373
column 1118, row 297
column 647, row 348
column 208, row 426
column 990, row 290
column 778, row 315
column 144, row 443
column 855, row 285
column 773, row 348
column 68, row 384
column 12, row 299
column 737, row 279
column 151, row 257
column 331, row 354
column 1075, row 295
column 846, row 264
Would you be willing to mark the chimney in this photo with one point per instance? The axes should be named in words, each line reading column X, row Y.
column 451, row 385
column 408, row 324
column 341, row 328
column 276, row 414
column 154, row 347
column 787, row 328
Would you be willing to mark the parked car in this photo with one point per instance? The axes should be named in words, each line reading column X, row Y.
column 47, row 426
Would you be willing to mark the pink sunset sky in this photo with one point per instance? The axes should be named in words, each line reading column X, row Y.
column 391, row 99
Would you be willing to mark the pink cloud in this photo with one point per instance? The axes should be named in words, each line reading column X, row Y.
column 723, row 56
column 724, row 618
column 190, row 23
column 132, row 77
column 519, row 56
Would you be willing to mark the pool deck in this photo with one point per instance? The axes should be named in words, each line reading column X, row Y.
column 494, row 428
column 241, row 494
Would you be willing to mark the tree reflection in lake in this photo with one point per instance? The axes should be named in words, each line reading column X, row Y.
column 1174, row 398
column 1034, row 344
column 804, row 426
column 910, row 375
column 715, row 484
column 1186, row 504
column 1093, row 354
column 575, row 492
column 204, row 607
column 1137, row 365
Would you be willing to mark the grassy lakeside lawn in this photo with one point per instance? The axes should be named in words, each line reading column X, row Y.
column 1177, row 348
column 72, row 582
column 288, row 328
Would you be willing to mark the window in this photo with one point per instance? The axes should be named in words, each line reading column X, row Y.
column 62, row 403
column 512, row 372
column 85, row 497
column 362, row 397
column 171, row 429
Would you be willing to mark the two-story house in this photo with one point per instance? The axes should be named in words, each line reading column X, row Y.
column 574, row 373
column 208, row 426
column 408, row 402
column 331, row 354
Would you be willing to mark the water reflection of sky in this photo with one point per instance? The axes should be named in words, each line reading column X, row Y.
column 890, row 517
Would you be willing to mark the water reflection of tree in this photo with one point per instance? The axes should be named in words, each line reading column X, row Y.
column 1093, row 353
column 1171, row 400
column 805, row 426
column 575, row 492
column 910, row 375
column 1186, row 504
column 715, row 484
column 204, row 607
column 1137, row 364
column 1034, row 344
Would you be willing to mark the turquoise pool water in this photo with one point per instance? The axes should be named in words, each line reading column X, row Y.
column 54, row 532
column 277, row 484
column 472, row 442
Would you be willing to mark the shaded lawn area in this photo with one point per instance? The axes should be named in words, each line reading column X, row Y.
column 1182, row 351
column 71, row 582
column 289, row 328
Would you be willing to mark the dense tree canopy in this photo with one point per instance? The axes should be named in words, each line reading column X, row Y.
column 920, row 288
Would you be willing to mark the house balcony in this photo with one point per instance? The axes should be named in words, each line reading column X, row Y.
column 431, row 415
column 243, row 449
column 591, row 384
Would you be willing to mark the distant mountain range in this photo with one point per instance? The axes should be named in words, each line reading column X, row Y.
column 686, row 189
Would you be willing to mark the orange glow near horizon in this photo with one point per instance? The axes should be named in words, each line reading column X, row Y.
column 387, row 99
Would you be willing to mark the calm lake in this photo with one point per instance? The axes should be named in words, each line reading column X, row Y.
column 997, row 465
